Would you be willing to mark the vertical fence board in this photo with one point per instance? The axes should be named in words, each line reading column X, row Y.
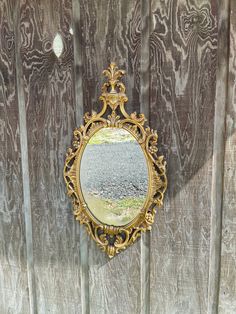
column 144, row 108
column 13, row 269
column 111, row 32
column 50, row 112
column 183, row 63
column 218, row 157
column 227, row 299
column 78, row 48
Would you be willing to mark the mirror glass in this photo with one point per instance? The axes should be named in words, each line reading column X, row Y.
column 114, row 176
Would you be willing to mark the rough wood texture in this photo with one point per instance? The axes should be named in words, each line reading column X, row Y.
column 111, row 32
column 144, row 108
column 227, row 299
column 218, row 157
column 25, row 167
column 49, row 96
column 77, row 26
column 175, row 87
column 13, row 269
column 183, row 64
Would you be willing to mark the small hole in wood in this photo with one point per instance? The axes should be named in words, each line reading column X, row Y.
column 57, row 45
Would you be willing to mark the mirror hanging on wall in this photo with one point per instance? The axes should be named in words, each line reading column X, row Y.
column 113, row 172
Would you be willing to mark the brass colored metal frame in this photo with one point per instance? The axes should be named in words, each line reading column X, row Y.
column 113, row 239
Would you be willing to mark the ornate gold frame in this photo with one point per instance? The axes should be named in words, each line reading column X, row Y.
column 113, row 239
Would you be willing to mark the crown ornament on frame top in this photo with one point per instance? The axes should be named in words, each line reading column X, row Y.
column 113, row 239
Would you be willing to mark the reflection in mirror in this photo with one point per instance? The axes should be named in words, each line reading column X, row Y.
column 114, row 176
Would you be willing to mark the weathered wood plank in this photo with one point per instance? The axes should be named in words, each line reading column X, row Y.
column 227, row 297
column 25, row 167
column 185, row 238
column 77, row 43
column 50, row 117
column 111, row 32
column 183, row 64
column 13, row 266
column 144, row 108
column 218, row 157
column 78, row 47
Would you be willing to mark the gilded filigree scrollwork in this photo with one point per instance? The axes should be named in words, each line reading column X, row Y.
column 113, row 239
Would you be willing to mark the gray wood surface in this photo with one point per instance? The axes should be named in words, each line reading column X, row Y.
column 183, row 64
column 169, row 50
column 218, row 156
column 227, row 299
column 111, row 32
column 144, row 108
column 50, row 116
column 78, row 82
column 13, row 264
column 25, row 166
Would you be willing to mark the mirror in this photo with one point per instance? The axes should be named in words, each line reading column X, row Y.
column 113, row 172
column 114, row 176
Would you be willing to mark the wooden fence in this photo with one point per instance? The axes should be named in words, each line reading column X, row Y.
column 180, row 59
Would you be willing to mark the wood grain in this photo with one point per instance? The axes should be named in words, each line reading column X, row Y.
column 144, row 108
column 227, row 297
column 50, row 117
column 111, row 32
column 13, row 269
column 183, row 64
column 78, row 82
column 169, row 50
column 218, row 157
column 25, row 167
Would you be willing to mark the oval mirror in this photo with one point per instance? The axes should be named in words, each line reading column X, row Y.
column 113, row 172
column 114, row 176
